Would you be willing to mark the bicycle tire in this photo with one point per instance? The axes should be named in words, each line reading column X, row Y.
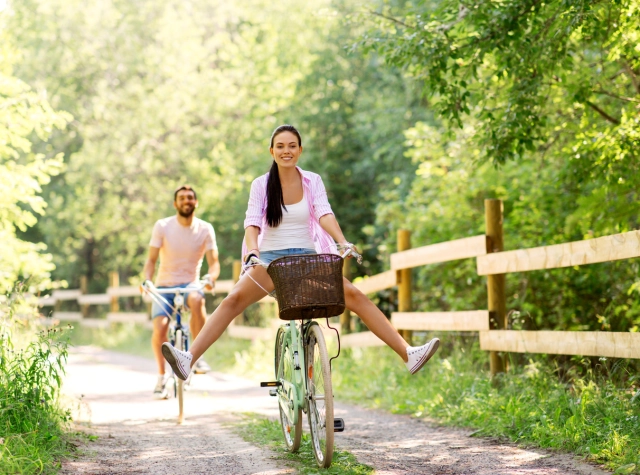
column 180, row 384
column 319, row 396
column 292, row 433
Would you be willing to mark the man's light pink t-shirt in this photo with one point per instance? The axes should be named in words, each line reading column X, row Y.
column 181, row 249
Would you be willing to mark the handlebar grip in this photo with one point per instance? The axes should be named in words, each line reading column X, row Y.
column 249, row 258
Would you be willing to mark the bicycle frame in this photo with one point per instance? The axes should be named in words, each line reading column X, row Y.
column 288, row 390
column 177, row 308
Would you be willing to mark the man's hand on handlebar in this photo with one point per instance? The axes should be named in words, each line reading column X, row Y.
column 210, row 284
column 147, row 284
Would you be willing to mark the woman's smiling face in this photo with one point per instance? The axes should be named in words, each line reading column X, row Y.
column 286, row 150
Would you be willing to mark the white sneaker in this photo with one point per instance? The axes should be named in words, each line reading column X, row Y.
column 419, row 355
column 160, row 391
column 180, row 361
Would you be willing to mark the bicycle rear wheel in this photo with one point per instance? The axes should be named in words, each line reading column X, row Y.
column 320, row 395
column 292, row 432
column 180, row 384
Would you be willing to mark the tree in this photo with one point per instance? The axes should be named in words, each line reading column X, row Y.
column 25, row 117
column 170, row 92
column 538, row 105
column 559, row 78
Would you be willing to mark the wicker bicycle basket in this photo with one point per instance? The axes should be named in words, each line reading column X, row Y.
column 308, row 286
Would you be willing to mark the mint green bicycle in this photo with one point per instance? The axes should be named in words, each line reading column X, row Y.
column 307, row 287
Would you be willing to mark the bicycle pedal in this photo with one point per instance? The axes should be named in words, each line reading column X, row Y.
column 338, row 425
column 273, row 392
column 270, row 384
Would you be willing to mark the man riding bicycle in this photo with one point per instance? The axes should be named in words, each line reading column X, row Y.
column 180, row 241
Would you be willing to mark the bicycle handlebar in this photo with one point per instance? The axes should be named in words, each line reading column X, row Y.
column 349, row 252
column 148, row 286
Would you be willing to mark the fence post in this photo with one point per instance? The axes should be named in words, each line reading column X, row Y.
column 237, row 269
column 496, row 293
column 84, row 308
column 404, row 281
column 345, row 318
column 114, row 282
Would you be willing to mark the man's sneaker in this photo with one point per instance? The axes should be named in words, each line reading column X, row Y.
column 160, row 392
column 419, row 355
column 201, row 367
column 180, row 361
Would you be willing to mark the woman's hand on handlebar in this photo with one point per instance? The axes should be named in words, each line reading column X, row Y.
column 350, row 250
column 247, row 257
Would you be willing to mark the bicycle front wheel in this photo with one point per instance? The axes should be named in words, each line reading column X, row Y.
column 292, row 432
column 320, row 396
column 180, row 384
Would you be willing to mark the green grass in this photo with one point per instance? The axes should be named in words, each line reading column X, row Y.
column 34, row 433
column 265, row 432
column 590, row 416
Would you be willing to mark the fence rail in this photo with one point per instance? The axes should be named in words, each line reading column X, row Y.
column 470, row 320
column 609, row 344
column 441, row 252
column 222, row 286
column 569, row 254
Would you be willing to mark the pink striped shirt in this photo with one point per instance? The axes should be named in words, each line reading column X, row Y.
column 318, row 206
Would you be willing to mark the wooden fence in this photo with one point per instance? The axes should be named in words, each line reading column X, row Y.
column 491, row 323
column 110, row 298
column 495, row 263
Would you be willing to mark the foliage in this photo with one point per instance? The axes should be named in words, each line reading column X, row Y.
column 260, row 430
column 164, row 93
column 26, row 118
column 445, row 202
column 524, row 70
column 539, row 106
column 589, row 414
column 32, row 423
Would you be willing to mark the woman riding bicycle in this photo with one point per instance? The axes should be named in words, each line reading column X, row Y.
column 288, row 213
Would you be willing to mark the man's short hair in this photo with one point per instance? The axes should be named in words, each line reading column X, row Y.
column 186, row 188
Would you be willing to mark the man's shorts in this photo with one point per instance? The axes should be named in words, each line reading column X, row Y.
column 162, row 309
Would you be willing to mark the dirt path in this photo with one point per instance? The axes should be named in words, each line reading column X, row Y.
column 139, row 435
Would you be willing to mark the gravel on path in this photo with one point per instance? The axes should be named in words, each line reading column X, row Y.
column 138, row 435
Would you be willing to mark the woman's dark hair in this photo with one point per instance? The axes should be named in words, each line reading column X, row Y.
column 275, row 200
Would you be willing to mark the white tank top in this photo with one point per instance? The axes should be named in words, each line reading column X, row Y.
column 293, row 232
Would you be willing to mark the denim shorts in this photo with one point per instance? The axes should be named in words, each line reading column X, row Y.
column 268, row 256
column 161, row 309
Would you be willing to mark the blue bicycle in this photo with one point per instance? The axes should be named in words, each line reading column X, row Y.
column 178, row 330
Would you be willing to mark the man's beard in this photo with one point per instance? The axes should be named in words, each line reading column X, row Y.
column 186, row 214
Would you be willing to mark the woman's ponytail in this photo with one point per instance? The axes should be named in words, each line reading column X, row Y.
column 275, row 200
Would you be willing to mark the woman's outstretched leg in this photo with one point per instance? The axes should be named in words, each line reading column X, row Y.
column 243, row 294
column 414, row 357
column 374, row 319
